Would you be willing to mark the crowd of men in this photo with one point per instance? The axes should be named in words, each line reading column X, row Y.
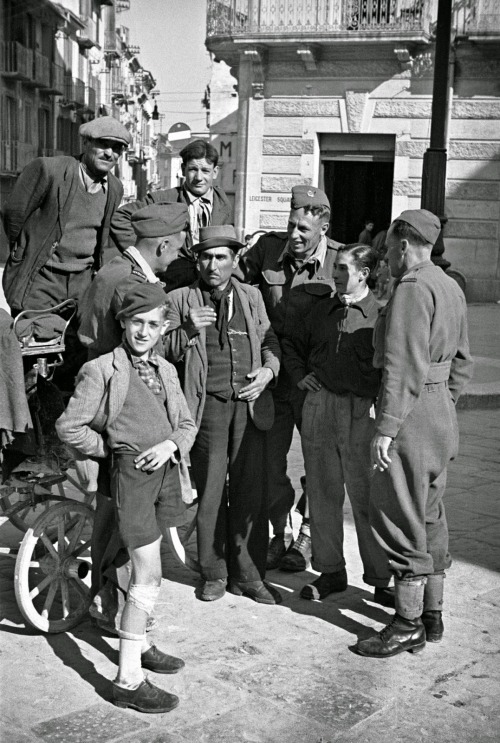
column 201, row 350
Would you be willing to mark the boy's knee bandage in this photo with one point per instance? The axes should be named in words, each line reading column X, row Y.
column 143, row 597
column 130, row 636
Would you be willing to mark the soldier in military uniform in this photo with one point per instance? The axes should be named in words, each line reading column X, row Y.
column 293, row 270
column 422, row 345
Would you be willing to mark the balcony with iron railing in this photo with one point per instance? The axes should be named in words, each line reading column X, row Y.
column 41, row 70
column 16, row 61
column 87, row 37
column 56, row 86
column 15, row 155
column 90, row 98
column 350, row 19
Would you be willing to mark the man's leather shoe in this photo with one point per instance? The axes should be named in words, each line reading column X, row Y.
column 159, row 662
column 257, row 590
column 213, row 589
column 434, row 627
column 298, row 556
column 399, row 635
column 385, row 597
column 275, row 552
column 326, row 584
column 146, row 698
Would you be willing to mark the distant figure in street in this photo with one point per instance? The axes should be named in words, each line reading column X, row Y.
column 421, row 343
column 383, row 279
column 207, row 204
column 366, row 235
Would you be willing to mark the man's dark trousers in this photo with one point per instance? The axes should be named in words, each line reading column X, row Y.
column 232, row 523
column 288, row 402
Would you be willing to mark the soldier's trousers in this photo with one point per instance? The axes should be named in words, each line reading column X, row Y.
column 406, row 509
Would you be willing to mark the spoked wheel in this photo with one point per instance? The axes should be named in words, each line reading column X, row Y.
column 182, row 539
column 52, row 575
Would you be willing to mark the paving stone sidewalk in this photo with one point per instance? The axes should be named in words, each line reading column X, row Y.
column 285, row 674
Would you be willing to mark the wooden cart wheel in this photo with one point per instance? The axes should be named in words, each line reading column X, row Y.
column 182, row 539
column 52, row 575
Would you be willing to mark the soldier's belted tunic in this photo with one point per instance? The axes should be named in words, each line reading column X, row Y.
column 421, row 342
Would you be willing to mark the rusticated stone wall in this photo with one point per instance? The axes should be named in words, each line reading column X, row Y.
column 290, row 154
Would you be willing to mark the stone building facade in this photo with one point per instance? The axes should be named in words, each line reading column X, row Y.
column 338, row 94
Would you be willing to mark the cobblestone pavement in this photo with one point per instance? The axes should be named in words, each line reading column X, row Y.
column 285, row 674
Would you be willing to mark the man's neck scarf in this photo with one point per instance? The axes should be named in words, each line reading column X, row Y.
column 220, row 298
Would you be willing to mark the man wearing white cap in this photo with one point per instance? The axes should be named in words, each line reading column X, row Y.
column 57, row 219
column 421, row 344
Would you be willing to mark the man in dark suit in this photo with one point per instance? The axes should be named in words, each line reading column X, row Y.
column 57, row 219
column 207, row 204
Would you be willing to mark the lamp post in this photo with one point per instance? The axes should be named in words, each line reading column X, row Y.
column 435, row 157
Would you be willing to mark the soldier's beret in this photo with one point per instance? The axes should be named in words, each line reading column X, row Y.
column 308, row 196
column 217, row 236
column 142, row 298
column 160, row 220
column 106, row 127
column 424, row 222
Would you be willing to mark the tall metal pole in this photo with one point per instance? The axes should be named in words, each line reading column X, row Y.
column 435, row 158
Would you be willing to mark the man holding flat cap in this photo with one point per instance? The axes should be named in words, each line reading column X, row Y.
column 58, row 216
column 421, row 344
column 293, row 270
column 219, row 328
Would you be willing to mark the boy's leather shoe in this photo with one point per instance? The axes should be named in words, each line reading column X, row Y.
column 213, row 589
column 434, row 627
column 257, row 590
column 298, row 555
column 146, row 698
column 399, row 635
column 159, row 662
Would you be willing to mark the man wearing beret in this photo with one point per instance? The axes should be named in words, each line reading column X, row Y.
column 421, row 344
column 159, row 234
column 57, row 219
column 116, row 397
column 293, row 270
column 220, row 330
column 207, row 204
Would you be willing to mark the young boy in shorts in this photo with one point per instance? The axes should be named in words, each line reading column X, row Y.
column 128, row 404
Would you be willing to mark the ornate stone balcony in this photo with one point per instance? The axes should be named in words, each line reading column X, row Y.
column 260, row 20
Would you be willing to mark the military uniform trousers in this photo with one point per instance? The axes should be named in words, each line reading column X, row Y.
column 406, row 509
column 336, row 434
column 288, row 401
column 231, row 524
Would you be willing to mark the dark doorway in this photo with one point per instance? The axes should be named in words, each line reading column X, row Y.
column 358, row 191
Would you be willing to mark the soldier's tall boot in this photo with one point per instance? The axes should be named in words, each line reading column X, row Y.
column 432, row 616
column 406, row 630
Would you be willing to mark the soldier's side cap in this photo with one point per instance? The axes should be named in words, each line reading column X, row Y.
column 160, row 220
column 308, row 196
column 142, row 298
column 424, row 222
column 106, row 127
column 217, row 236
